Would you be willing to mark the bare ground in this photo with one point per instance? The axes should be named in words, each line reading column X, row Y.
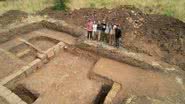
column 156, row 35
column 64, row 80
column 9, row 63
column 139, row 82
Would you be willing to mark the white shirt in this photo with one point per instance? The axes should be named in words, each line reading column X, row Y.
column 95, row 27
column 107, row 30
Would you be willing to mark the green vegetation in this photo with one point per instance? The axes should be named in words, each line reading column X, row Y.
column 173, row 8
column 61, row 5
column 169, row 12
column 30, row 6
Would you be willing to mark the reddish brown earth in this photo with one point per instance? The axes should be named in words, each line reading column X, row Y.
column 64, row 80
column 156, row 35
column 12, row 16
column 9, row 63
column 139, row 82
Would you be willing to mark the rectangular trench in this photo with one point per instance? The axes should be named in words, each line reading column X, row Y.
column 97, row 95
column 27, row 54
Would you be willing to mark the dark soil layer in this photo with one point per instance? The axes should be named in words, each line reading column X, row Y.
column 102, row 94
column 11, row 17
column 156, row 35
column 25, row 94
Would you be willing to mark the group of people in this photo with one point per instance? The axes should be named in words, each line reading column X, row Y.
column 105, row 32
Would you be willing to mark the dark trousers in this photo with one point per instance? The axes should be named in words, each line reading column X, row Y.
column 117, row 42
column 89, row 35
column 104, row 37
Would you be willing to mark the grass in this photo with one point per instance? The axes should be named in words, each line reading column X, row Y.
column 173, row 8
column 61, row 5
column 30, row 6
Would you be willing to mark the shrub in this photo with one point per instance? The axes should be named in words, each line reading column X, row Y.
column 92, row 5
column 61, row 5
column 169, row 12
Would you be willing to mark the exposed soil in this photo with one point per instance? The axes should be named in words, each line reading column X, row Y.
column 27, row 57
column 64, row 80
column 156, row 35
column 9, row 64
column 66, row 38
column 136, row 81
column 11, row 17
column 43, row 43
column 24, row 94
column 3, row 101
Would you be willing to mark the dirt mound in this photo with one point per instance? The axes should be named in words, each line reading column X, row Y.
column 11, row 17
column 156, row 35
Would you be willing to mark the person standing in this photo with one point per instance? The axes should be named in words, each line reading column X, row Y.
column 89, row 28
column 94, row 30
column 103, row 30
column 112, row 34
column 107, row 32
column 99, row 30
column 118, row 33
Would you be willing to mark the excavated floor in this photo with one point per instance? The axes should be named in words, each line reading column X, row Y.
column 9, row 63
column 65, row 78
column 3, row 101
column 15, row 54
column 139, row 82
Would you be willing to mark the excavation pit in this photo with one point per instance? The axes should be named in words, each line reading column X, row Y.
column 24, row 52
column 102, row 94
column 64, row 78
column 44, row 43
column 64, row 75
column 25, row 94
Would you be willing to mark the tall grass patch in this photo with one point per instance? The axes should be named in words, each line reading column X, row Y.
column 61, row 5
column 30, row 6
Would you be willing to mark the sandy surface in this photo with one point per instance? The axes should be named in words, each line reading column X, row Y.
column 9, row 64
column 139, row 82
column 43, row 43
column 3, row 101
column 54, row 34
column 64, row 81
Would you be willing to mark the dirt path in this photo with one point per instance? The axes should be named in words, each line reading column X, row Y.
column 64, row 81
column 139, row 82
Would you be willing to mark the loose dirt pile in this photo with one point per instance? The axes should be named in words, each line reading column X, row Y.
column 156, row 35
column 11, row 17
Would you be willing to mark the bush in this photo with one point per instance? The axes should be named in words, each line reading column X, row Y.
column 92, row 5
column 61, row 5
column 169, row 13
